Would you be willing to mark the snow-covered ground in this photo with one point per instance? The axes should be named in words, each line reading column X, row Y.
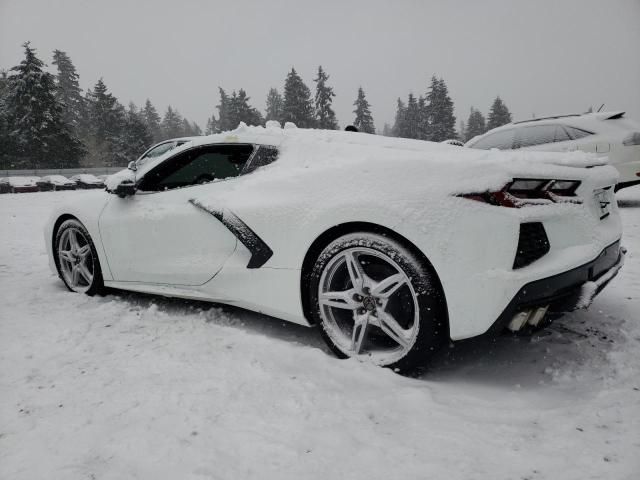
column 133, row 386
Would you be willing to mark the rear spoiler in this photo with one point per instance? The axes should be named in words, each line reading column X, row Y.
column 609, row 115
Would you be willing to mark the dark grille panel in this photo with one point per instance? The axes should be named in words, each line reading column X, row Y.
column 532, row 244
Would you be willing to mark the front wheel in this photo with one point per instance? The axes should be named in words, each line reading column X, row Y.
column 375, row 300
column 77, row 259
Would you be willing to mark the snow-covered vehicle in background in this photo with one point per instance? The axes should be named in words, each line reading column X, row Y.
column 56, row 182
column 87, row 181
column 607, row 134
column 392, row 246
column 18, row 184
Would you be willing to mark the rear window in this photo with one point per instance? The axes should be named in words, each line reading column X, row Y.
column 502, row 140
column 540, row 134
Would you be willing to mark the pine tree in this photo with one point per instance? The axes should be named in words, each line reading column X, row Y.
column 196, row 131
column 412, row 118
column 68, row 92
column 399, row 127
column 212, row 126
column 439, row 111
column 363, row 121
column 224, row 122
column 241, row 111
column 462, row 131
column 298, row 107
column 5, row 145
column 325, row 116
column 38, row 135
column 475, row 124
column 152, row 121
column 275, row 105
column 136, row 137
column 387, row 131
column 107, row 123
column 498, row 115
column 172, row 124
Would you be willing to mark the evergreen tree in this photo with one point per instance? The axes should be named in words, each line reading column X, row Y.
column 224, row 122
column 298, row 107
column 475, row 124
column 275, row 106
column 498, row 115
column 241, row 111
column 172, row 126
column 68, row 92
column 462, row 131
column 136, row 137
column 439, row 111
column 152, row 120
column 212, row 126
column 387, row 131
column 412, row 118
column 38, row 135
column 399, row 125
column 423, row 119
column 5, row 146
column 107, row 123
column 363, row 121
column 196, row 131
column 325, row 116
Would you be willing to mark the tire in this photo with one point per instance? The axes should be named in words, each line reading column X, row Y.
column 375, row 300
column 77, row 260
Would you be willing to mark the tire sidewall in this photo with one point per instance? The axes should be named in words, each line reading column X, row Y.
column 98, row 284
column 432, row 323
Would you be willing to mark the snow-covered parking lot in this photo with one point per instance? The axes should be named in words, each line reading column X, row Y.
column 134, row 386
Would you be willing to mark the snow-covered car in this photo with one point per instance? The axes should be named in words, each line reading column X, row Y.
column 391, row 246
column 18, row 184
column 161, row 148
column 56, row 182
column 87, row 181
column 607, row 134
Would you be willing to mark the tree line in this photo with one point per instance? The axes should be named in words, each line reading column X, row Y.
column 46, row 121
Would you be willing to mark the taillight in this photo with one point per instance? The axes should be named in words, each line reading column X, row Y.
column 522, row 192
column 632, row 139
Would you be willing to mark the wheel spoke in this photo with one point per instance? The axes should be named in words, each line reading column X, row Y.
column 339, row 299
column 73, row 240
column 392, row 328
column 75, row 275
column 66, row 255
column 86, row 274
column 356, row 272
column 389, row 286
column 359, row 332
column 84, row 251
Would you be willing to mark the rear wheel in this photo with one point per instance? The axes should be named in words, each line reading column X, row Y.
column 376, row 301
column 77, row 259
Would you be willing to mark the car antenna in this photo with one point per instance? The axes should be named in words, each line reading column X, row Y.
column 601, row 107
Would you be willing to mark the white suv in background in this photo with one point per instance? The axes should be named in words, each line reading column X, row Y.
column 605, row 134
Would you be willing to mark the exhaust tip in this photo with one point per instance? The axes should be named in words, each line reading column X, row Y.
column 531, row 317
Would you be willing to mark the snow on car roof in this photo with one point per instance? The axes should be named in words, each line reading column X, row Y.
column 21, row 181
column 86, row 177
column 336, row 153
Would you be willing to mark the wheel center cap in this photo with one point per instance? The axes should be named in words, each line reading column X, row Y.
column 369, row 303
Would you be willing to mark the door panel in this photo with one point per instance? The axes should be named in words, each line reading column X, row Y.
column 162, row 238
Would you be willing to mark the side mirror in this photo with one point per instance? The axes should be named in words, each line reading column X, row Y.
column 132, row 166
column 126, row 188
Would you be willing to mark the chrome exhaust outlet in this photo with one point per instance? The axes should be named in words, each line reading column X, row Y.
column 532, row 317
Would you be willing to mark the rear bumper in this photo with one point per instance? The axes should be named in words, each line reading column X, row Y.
column 567, row 291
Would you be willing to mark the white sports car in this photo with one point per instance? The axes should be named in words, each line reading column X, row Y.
column 392, row 246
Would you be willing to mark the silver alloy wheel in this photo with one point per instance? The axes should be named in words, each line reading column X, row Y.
column 76, row 260
column 368, row 305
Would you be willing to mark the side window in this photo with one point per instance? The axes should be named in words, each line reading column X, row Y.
column 159, row 150
column 540, row 135
column 200, row 165
column 502, row 140
column 264, row 156
column 576, row 133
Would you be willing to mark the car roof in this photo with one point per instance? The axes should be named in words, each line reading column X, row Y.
column 577, row 119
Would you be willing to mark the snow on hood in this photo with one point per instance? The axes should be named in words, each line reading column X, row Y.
column 87, row 178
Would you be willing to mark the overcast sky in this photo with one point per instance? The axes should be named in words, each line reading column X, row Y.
column 542, row 57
